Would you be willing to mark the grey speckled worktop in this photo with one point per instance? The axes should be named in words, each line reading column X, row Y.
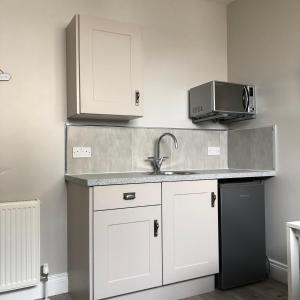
column 129, row 178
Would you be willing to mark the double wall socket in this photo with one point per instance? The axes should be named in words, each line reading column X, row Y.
column 82, row 152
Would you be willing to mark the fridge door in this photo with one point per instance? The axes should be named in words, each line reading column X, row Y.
column 242, row 234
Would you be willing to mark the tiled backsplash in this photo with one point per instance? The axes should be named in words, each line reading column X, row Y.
column 125, row 149
column 252, row 148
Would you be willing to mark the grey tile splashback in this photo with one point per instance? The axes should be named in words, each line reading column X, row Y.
column 192, row 151
column 252, row 148
column 125, row 149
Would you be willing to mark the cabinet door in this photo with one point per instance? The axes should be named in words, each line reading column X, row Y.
column 110, row 67
column 190, row 230
column 127, row 252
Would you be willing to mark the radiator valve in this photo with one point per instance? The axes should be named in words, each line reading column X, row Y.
column 45, row 272
column 44, row 278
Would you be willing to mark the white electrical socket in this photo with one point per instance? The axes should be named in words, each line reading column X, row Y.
column 213, row 151
column 82, row 152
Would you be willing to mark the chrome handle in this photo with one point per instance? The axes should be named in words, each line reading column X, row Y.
column 154, row 158
column 156, row 162
column 129, row 196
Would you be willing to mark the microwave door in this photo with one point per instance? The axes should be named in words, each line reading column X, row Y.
column 231, row 97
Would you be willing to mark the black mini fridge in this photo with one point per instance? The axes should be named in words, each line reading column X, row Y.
column 241, row 234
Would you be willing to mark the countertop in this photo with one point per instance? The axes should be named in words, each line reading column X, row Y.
column 143, row 177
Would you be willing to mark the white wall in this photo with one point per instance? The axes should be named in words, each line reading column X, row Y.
column 264, row 49
column 184, row 45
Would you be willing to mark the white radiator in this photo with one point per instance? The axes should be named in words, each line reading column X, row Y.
column 19, row 244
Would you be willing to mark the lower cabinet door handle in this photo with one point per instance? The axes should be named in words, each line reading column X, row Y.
column 156, row 227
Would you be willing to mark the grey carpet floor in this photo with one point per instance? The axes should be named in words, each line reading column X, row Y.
column 267, row 290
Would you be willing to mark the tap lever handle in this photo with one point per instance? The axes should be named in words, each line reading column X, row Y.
column 152, row 158
column 161, row 159
column 156, row 162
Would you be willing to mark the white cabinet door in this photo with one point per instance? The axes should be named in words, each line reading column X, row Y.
column 127, row 251
column 190, row 230
column 110, row 68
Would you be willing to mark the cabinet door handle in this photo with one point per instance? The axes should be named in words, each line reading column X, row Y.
column 137, row 98
column 213, row 199
column 129, row 196
column 156, row 227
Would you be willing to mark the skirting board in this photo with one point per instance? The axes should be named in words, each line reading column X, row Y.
column 57, row 284
column 176, row 291
column 278, row 271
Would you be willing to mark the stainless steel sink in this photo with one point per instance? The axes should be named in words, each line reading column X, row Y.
column 177, row 172
column 172, row 173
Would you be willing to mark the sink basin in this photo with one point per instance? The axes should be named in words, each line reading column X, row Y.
column 176, row 172
column 173, row 173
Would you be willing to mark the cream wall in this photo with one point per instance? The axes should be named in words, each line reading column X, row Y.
column 184, row 45
column 264, row 49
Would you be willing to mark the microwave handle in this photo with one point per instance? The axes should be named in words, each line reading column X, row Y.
column 246, row 98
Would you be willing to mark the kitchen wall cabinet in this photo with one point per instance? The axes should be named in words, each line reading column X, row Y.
column 190, row 230
column 104, row 69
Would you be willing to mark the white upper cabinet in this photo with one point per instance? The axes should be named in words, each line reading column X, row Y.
column 104, row 62
column 190, row 230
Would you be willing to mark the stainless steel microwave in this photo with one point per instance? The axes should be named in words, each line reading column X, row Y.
column 223, row 101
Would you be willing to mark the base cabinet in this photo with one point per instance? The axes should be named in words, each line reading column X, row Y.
column 190, row 230
column 127, row 250
column 128, row 238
